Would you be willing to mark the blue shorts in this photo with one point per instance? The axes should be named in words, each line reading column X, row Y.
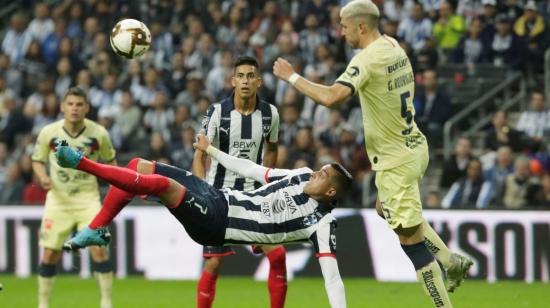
column 202, row 210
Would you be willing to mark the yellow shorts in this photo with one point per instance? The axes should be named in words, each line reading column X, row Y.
column 399, row 192
column 58, row 223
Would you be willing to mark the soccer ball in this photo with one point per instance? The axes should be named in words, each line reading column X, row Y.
column 130, row 38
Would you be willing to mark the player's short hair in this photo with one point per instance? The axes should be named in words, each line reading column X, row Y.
column 76, row 91
column 246, row 60
column 364, row 10
column 342, row 182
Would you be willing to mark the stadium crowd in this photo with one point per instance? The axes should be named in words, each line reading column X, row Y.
column 152, row 106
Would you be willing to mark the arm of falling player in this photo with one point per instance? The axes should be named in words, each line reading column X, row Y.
column 244, row 167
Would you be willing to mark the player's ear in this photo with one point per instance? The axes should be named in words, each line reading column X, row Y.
column 331, row 192
column 233, row 81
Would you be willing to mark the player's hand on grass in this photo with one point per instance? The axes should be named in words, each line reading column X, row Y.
column 45, row 182
column 282, row 69
column 201, row 142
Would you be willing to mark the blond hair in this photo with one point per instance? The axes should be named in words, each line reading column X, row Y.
column 363, row 9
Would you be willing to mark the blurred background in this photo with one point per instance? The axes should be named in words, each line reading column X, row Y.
column 482, row 91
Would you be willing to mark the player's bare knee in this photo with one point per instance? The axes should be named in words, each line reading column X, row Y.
column 99, row 253
column 213, row 264
column 51, row 256
column 410, row 235
column 144, row 166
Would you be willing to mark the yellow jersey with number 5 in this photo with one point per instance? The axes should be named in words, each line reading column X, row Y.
column 73, row 188
column 382, row 76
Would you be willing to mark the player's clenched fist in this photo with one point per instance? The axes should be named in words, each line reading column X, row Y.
column 282, row 69
column 201, row 142
column 45, row 182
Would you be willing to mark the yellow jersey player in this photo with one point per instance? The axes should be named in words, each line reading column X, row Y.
column 381, row 74
column 73, row 196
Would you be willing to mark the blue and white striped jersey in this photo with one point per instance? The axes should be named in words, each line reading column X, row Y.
column 280, row 212
column 240, row 136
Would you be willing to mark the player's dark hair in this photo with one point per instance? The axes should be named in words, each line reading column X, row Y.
column 343, row 181
column 76, row 91
column 246, row 60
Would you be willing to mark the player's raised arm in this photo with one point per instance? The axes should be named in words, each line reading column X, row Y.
column 244, row 167
column 329, row 96
column 333, row 282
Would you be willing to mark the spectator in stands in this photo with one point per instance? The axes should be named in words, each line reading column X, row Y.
column 455, row 167
column 544, row 9
column 91, row 29
column 533, row 29
column 267, row 24
column 158, row 149
column 42, row 25
column 145, row 94
column 488, row 19
column 506, row 48
column 67, row 50
column 182, row 153
column 5, row 94
column 397, row 10
column 106, row 96
column 182, row 119
column 535, row 122
column 17, row 38
column 433, row 108
column 431, row 7
column 470, row 9
column 49, row 113
column 194, row 89
column 12, row 123
column 50, row 45
column 517, row 184
column 472, row 48
column 216, row 76
column 500, row 134
column 432, row 200
column 33, row 67
column 159, row 118
column 495, row 177
column 12, row 191
column 415, row 28
column 4, row 155
column 539, row 195
column 311, row 37
column 448, row 29
column 13, row 76
column 303, row 148
column 465, row 192
column 64, row 79
column 289, row 125
column 127, row 120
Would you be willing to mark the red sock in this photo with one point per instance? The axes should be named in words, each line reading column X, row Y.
column 115, row 200
column 126, row 179
column 277, row 277
column 206, row 290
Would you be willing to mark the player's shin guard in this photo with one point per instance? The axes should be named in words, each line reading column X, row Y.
column 103, row 271
column 428, row 273
column 46, row 278
column 125, row 179
column 115, row 200
column 435, row 245
column 206, row 290
column 277, row 283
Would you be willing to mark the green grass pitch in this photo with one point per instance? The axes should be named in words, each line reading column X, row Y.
column 70, row 291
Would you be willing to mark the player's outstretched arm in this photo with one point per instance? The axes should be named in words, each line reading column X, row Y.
column 244, row 167
column 333, row 282
column 329, row 96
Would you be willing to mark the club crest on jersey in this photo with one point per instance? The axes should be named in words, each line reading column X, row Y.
column 353, row 71
column 310, row 220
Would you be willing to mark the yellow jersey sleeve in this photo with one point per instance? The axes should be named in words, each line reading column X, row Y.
column 41, row 147
column 106, row 150
column 356, row 75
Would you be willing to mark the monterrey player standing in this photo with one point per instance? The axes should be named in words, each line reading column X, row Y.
column 243, row 126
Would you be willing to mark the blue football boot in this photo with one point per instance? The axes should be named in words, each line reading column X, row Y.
column 88, row 237
column 66, row 156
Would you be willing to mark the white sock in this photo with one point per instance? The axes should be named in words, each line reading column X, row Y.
column 435, row 245
column 431, row 279
column 45, row 287
column 105, row 281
